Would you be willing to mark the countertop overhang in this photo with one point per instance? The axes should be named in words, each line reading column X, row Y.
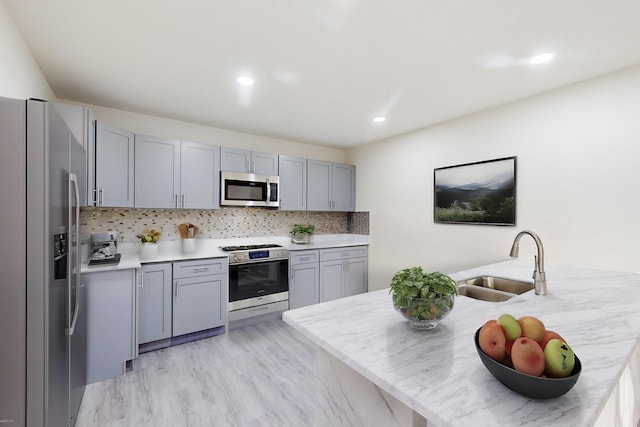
column 438, row 373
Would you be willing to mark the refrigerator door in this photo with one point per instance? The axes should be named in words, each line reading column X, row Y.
column 13, row 262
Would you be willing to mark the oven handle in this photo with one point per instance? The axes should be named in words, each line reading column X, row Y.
column 264, row 260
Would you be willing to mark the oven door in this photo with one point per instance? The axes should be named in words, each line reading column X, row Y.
column 258, row 283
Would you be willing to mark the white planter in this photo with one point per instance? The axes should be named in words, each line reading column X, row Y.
column 148, row 250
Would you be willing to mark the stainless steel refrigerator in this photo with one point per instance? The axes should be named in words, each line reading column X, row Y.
column 42, row 310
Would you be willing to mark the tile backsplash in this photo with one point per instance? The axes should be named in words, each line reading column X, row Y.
column 216, row 224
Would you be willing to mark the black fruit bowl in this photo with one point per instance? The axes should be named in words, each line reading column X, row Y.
column 528, row 385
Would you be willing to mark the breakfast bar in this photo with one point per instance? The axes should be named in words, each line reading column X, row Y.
column 374, row 370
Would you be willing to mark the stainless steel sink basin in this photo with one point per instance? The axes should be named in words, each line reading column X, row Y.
column 498, row 283
column 493, row 289
column 484, row 294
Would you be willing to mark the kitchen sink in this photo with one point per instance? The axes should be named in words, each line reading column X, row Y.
column 498, row 283
column 484, row 294
column 493, row 289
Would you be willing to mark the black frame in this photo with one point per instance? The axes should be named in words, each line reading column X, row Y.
column 476, row 193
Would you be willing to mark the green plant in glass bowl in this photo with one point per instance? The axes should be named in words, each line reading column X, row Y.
column 302, row 233
column 423, row 299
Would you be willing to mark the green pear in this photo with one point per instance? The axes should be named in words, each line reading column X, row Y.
column 559, row 359
column 512, row 330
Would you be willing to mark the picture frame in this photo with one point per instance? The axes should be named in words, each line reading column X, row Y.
column 483, row 192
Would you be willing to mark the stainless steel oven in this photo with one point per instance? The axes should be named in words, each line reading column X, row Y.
column 258, row 280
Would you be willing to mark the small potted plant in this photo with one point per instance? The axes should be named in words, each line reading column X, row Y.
column 149, row 240
column 302, row 233
column 423, row 299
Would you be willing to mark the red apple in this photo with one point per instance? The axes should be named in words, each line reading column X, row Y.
column 532, row 327
column 527, row 356
column 492, row 340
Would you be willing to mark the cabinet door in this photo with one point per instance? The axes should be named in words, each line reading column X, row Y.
column 110, row 322
column 197, row 303
column 157, row 172
column 235, row 160
column 154, row 315
column 293, row 183
column 304, row 285
column 264, row 163
column 331, row 280
column 113, row 167
column 343, row 188
column 199, row 176
column 318, row 185
column 356, row 276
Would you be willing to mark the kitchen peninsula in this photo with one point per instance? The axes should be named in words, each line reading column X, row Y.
column 374, row 370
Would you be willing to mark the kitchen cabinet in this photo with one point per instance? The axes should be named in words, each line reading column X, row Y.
column 110, row 322
column 154, row 303
column 238, row 160
column 82, row 125
column 176, row 174
column 293, row 183
column 304, row 278
column 157, row 172
column 199, row 295
column 113, row 166
column 330, row 186
column 199, row 175
column 343, row 272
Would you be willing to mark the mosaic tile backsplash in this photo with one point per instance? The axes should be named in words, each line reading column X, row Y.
column 216, row 224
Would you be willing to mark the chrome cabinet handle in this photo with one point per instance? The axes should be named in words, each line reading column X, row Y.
column 176, row 285
column 176, row 202
column 200, row 269
column 183, row 200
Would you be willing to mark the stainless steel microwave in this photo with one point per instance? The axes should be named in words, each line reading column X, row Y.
column 248, row 189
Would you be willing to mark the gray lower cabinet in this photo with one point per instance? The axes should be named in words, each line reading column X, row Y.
column 200, row 295
column 110, row 322
column 154, row 303
column 304, row 278
column 343, row 272
column 181, row 298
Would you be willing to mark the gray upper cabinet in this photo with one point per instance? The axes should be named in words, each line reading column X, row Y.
column 157, row 172
column 238, row 160
column 293, row 183
column 330, row 186
column 199, row 176
column 113, row 167
column 154, row 303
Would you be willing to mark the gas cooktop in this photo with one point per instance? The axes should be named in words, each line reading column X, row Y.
column 248, row 247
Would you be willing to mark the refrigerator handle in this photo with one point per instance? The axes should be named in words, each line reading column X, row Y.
column 74, row 179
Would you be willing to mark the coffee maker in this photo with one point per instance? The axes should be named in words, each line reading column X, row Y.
column 104, row 248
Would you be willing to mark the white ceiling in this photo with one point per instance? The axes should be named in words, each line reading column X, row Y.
column 322, row 68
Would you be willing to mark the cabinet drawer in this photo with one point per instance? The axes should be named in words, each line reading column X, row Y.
column 303, row 257
column 204, row 267
column 343, row 253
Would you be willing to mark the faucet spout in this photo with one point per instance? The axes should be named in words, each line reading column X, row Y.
column 539, row 277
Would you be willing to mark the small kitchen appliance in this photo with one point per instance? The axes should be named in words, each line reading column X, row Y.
column 248, row 189
column 104, row 248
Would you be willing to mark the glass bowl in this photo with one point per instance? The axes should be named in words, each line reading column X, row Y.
column 424, row 313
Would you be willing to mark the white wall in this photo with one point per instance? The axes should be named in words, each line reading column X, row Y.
column 20, row 76
column 578, row 183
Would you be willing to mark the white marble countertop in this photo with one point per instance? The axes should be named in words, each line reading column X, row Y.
column 439, row 374
column 210, row 248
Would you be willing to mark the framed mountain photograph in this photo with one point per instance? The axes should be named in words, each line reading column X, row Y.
column 476, row 193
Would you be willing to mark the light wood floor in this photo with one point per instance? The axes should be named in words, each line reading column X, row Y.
column 261, row 375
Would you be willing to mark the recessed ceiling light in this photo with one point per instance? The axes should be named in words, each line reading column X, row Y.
column 245, row 80
column 379, row 119
column 541, row 58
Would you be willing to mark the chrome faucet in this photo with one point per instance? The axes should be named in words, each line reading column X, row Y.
column 539, row 278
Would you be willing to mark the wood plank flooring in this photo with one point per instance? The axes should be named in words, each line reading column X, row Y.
column 261, row 375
